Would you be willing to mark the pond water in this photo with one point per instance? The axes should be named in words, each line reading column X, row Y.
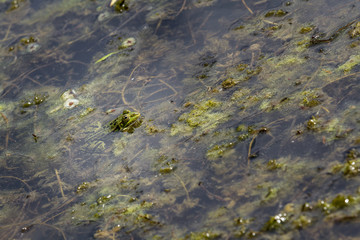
column 186, row 119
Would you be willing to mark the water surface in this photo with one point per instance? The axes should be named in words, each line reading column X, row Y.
column 250, row 119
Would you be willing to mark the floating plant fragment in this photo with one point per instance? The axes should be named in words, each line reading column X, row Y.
column 71, row 103
column 228, row 83
column 68, row 94
column 15, row 4
column 352, row 62
column 103, row 16
column 274, row 13
column 125, row 44
column 32, row 47
column 128, row 42
column 69, row 98
column 306, row 29
column 82, row 187
column 119, row 5
column 106, row 56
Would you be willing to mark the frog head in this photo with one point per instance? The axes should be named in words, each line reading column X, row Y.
column 128, row 118
column 126, row 122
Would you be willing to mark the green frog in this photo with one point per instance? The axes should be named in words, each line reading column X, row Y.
column 94, row 133
column 126, row 122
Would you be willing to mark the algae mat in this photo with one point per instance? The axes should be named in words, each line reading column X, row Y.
column 187, row 119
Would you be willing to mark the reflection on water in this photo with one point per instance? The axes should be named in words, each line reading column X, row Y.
column 241, row 119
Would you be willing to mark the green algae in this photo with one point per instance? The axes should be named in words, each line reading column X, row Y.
column 289, row 61
column 205, row 115
column 350, row 64
column 341, row 201
column 202, row 235
column 121, row 6
column 311, row 99
column 355, row 32
column 276, row 222
column 191, row 159
column 276, row 13
column 273, row 164
column 166, row 165
column 314, row 124
column 228, row 83
column 15, row 4
column 219, row 150
column 35, row 100
column 82, row 187
column 306, row 29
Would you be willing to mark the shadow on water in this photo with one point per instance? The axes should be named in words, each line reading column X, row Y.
column 189, row 119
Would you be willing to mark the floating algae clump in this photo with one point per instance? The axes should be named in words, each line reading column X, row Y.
column 311, row 99
column 341, row 201
column 228, row 83
column 276, row 222
column 35, row 100
column 352, row 62
column 15, row 4
column 206, row 235
column 203, row 115
column 274, row 13
column 219, row 150
column 121, row 6
column 165, row 164
column 355, row 32
column 290, row 61
column 313, row 124
column 273, row 165
column 307, row 29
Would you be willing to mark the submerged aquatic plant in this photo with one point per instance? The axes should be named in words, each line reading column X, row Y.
column 222, row 105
